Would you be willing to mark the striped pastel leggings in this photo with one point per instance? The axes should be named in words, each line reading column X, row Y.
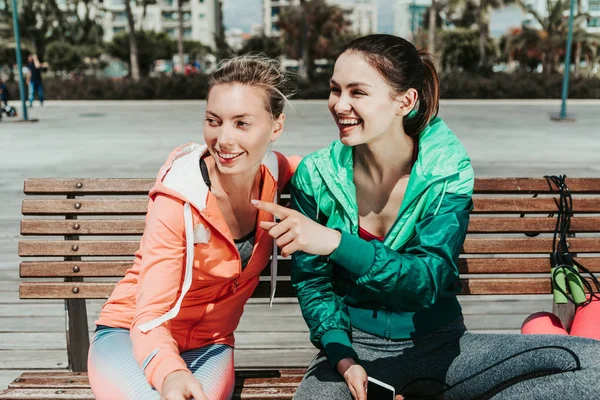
column 115, row 374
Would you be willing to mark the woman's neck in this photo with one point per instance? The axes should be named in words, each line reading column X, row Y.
column 389, row 156
column 242, row 187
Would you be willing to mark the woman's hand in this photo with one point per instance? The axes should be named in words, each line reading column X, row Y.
column 182, row 385
column 297, row 232
column 355, row 377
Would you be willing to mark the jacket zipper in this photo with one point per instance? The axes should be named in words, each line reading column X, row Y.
column 188, row 335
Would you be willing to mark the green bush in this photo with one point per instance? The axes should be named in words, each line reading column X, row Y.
column 515, row 86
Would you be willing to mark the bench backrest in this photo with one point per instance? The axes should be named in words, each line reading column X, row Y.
column 96, row 225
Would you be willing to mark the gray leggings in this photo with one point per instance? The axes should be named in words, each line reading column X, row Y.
column 455, row 364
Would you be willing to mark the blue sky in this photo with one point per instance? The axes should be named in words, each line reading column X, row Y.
column 244, row 13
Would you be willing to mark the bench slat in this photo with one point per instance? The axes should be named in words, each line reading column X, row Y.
column 526, row 245
column 47, row 394
column 39, row 248
column 139, row 206
column 533, row 185
column 82, row 227
column 531, row 205
column 479, row 224
column 517, row 265
column 129, row 186
column 125, row 186
column 85, row 207
column 60, row 269
column 101, row 290
column 82, row 382
column 250, row 393
column 47, row 269
column 132, row 227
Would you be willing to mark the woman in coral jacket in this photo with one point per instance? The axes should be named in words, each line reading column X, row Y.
column 166, row 332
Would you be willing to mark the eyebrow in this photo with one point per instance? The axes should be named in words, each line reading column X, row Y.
column 351, row 84
column 234, row 117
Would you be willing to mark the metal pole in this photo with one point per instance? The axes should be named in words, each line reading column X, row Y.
column 565, row 86
column 19, row 59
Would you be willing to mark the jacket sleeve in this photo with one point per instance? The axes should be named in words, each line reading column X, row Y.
column 425, row 270
column 287, row 167
column 312, row 276
column 162, row 255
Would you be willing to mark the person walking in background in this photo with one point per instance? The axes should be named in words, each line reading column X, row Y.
column 34, row 78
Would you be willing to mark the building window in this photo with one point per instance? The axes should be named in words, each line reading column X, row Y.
column 275, row 27
column 169, row 16
column 117, row 2
column 594, row 5
column 594, row 22
column 187, row 33
column 201, row 15
column 275, row 11
column 118, row 29
column 120, row 16
column 171, row 32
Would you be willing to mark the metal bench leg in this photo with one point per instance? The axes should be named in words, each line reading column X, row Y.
column 78, row 339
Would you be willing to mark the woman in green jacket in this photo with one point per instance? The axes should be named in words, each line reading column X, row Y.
column 379, row 220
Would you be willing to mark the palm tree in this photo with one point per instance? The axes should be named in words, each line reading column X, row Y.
column 133, row 49
column 553, row 32
column 480, row 13
column 431, row 28
column 180, row 35
column 578, row 45
column 145, row 4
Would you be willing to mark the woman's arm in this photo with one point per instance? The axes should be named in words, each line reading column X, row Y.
column 312, row 276
column 162, row 253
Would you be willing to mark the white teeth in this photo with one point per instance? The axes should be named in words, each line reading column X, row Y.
column 228, row 156
column 347, row 121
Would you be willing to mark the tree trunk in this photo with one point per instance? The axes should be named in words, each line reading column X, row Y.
column 577, row 58
column 180, row 35
column 484, row 32
column 578, row 45
column 482, row 43
column 133, row 50
column 144, row 13
column 431, row 27
column 305, row 67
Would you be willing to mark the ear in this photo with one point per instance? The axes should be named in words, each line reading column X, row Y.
column 278, row 127
column 406, row 102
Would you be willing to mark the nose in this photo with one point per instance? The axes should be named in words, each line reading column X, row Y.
column 226, row 137
column 342, row 105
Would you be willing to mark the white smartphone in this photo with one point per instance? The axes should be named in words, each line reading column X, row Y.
column 377, row 390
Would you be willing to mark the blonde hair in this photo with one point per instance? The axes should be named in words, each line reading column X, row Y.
column 254, row 70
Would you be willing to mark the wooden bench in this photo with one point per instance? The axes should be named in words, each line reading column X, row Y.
column 99, row 222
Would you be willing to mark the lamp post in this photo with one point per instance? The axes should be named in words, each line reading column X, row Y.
column 562, row 116
column 19, row 59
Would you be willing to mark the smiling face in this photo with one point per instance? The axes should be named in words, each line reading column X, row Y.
column 238, row 128
column 361, row 101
